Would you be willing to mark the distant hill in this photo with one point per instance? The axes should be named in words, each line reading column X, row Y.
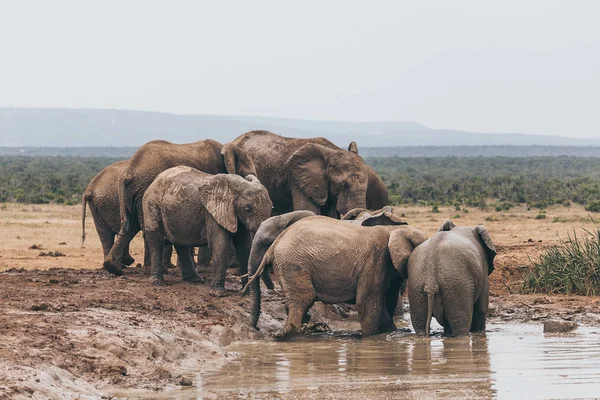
column 402, row 152
column 41, row 127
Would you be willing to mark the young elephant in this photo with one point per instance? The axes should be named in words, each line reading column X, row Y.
column 333, row 261
column 190, row 208
column 448, row 278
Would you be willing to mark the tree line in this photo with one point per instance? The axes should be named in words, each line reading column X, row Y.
column 537, row 181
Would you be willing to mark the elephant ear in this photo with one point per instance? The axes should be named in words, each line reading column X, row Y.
column 308, row 167
column 353, row 147
column 237, row 161
column 401, row 244
column 383, row 218
column 490, row 249
column 217, row 196
column 447, row 226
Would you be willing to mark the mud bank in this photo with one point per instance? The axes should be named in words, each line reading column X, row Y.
column 69, row 332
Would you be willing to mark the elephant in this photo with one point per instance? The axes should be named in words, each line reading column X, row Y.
column 312, row 174
column 191, row 208
column 332, row 261
column 102, row 195
column 150, row 160
column 448, row 279
column 263, row 239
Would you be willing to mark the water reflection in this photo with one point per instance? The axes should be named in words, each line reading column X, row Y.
column 509, row 361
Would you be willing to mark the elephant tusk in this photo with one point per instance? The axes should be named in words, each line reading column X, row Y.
column 243, row 276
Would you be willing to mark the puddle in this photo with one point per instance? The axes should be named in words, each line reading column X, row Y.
column 509, row 361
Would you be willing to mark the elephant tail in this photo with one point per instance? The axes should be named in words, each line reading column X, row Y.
column 254, row 284
column 430, row 297
column 84, row 200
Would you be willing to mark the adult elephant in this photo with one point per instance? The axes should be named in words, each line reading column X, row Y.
column 312, row 174
column 448, row 279
column 150, row 160
column 324, row 259
column 102, row 196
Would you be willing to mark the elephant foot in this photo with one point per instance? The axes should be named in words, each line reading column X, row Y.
column 218, row 287
column 170, row 265
column 147, row 269
column 113, row 268
column 195, row 279
column 287, row 333
column 128, row 260
column 159, row 281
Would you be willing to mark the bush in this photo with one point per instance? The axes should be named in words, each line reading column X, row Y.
column 435, row 209
column 593, row 206
column 540, row 216
column 571, row 267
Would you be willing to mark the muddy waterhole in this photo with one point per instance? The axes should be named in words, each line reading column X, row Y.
column 509, row 361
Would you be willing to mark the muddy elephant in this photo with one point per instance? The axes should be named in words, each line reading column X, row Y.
column 191, row 208
column 263, row 239
column 150, row 160
column 102, row 196
column 332, row 261
column 448, row 279
column 312, row 174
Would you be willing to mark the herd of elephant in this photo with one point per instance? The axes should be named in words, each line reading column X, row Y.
column 332, row 237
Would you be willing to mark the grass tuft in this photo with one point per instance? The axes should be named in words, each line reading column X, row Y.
column 571, row 267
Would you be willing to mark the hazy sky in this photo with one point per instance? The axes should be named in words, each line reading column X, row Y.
column 504, row 66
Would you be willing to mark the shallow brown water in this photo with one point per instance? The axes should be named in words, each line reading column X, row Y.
column 509, row 361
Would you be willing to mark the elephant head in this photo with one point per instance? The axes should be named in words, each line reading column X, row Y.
column 237, row 161
column 401, row 244
column 482, row 235
column 231, row 198
column 322, row 173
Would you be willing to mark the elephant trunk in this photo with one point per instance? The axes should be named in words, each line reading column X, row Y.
column 254, row 282
column 350, row 201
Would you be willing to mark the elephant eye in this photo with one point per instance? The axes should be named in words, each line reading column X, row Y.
column 248, row 208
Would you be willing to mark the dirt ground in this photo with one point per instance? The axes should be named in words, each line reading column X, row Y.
column 68, row 328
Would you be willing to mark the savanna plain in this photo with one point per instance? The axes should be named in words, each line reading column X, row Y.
column 68, row 329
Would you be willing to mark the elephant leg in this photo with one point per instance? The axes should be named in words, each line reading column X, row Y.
column 114, row 261
column 480, row 309
column 186, row 261
column 156, row 243
column 417, row 300
column 243, row 244
column 204, row 258
column 167, row 253
column 128, row 260
column 391, row 302
column 220, row 244
column 458, row 312
column 266, row 278
column 369, row 303
column 107, row 238
column 147, row 251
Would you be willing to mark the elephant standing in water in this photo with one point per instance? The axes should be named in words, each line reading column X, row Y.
column 102, row 195
column 190, row 208
column 313, row 174
column 448, row 278
column 150, row 160
column 324, row 259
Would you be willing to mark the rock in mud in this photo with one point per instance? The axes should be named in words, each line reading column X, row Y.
column 559, row 326
column 186, row 382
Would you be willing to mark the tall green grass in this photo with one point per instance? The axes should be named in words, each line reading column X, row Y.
column 571, row 267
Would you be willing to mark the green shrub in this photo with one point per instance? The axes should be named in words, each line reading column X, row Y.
column 540, row 216
column 571, row 267
column 559, row 219
column 435, row 209
column 593, row 206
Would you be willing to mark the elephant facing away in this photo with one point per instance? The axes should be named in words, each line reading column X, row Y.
column 332, row 261
column 448, row 279
column 102, row 196
column 150, row 160
column 190, row 208
column 312, row 174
